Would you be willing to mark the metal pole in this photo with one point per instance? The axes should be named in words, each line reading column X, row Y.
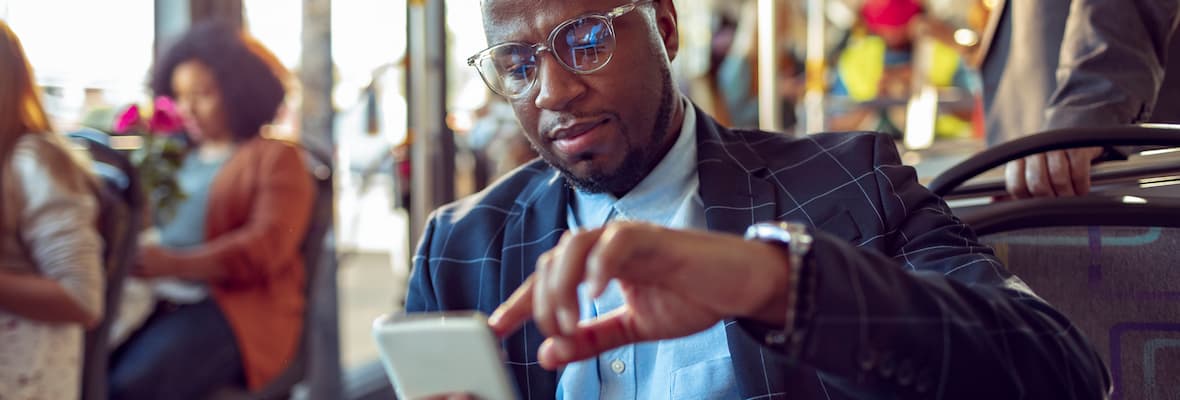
column 323, row 376
column 172, row 19
column 769, row 101
column 815, row 67
column 922, row 108
column 433, row 150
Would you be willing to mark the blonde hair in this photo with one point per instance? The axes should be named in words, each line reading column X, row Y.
column 21, row 114
column 20, row 109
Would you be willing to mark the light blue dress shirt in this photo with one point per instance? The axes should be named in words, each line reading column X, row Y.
column 697, row 366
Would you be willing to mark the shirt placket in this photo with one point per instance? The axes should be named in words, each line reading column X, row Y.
column 616, row 368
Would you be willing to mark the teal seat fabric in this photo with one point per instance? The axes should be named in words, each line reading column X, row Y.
column 1120, row 286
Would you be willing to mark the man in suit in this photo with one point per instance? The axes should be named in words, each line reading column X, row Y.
column 613, row 266
column 1050, row 64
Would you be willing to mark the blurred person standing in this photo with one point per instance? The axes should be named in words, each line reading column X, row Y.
column 51, row 276
column 737, row 71
column 1050, row 64
column 234, row 240
column 877, row 64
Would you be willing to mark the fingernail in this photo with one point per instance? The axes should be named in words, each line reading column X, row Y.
column 567, row 320
column 494, row 319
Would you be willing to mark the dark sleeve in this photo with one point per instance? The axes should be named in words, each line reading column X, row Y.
column 1111, row 62
column 420, row 295
column 939, row 316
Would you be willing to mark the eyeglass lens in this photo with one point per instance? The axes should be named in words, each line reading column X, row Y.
column 584, row 45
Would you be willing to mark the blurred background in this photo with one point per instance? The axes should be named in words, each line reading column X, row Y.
column 383, row 87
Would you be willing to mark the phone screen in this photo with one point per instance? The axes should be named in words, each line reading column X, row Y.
column 428, row 354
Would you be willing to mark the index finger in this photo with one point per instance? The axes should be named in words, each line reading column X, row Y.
column 1014, row 179
column 515, row 311
column 1079, row 161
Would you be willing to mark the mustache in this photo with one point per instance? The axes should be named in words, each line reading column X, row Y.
column 567, row 119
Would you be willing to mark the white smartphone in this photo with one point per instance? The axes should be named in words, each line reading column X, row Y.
column 428, row 354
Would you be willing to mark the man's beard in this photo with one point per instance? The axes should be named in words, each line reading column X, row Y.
column 636, row 164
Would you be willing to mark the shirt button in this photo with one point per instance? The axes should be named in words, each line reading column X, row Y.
column 618, row 366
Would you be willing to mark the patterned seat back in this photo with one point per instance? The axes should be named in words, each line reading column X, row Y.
column 1120, row 286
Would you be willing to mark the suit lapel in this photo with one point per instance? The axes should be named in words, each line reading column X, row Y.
column 736, row 192
column 538, row 224
column 733, row 185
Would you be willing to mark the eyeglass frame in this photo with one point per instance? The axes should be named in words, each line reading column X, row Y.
column 547, row 46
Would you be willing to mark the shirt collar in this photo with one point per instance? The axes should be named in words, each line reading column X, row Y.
column 656, row 198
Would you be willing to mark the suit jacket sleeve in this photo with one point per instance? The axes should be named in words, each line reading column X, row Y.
column 1111, row 62
column 420, row 296
column 938, row 315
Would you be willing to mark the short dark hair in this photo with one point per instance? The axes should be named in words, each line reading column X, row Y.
column 249, row 76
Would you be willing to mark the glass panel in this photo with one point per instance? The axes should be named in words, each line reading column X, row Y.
column 369, row 49
column 368, row 52
column 85, row 75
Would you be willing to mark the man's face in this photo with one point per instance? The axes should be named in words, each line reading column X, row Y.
column 604, row 130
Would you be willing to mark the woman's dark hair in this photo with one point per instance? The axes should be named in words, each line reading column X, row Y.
column 249, row 76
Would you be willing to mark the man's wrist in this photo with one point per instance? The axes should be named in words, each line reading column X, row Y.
column 792, row 241
column 776, row 286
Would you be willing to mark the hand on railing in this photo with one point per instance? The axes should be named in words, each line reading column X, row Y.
column 1060, row 173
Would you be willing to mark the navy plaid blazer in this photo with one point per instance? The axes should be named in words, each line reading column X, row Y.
column 904, row 302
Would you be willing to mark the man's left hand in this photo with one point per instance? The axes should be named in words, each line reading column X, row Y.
column 674, row 283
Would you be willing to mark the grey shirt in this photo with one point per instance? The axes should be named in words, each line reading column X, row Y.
column 1062, row 63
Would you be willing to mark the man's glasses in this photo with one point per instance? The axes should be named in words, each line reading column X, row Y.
column 581, row 45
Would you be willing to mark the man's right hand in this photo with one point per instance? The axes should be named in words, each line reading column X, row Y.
column 1061, row 173
column 674, row 282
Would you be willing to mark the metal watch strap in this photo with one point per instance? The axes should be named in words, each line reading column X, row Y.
column 796, row 239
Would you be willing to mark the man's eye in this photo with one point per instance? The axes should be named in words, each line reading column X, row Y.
column 586, row 35
column 519, row 71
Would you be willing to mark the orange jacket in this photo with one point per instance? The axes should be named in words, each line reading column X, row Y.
column 258, row 211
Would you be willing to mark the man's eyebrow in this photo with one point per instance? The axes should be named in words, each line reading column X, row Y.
column 515, row 29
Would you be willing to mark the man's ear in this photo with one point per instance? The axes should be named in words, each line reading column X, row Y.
column 666, row 22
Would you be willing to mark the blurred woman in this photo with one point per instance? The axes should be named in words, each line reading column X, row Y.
column 51, row 278
column 235, row 238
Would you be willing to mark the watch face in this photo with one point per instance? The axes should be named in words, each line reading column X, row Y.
column 795, row 236
column 773, row 231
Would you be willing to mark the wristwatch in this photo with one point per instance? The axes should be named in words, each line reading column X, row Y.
column 796, row 240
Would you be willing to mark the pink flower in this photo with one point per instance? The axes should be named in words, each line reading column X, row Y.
column 165, row 120
column 128, row 121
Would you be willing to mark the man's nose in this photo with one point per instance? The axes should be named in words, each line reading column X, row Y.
column 557, row 87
